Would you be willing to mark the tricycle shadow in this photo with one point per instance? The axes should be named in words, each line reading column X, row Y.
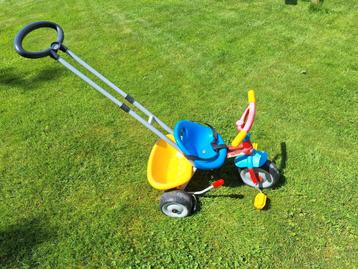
column 201, row 179
column 230, row 174
column 283, row 163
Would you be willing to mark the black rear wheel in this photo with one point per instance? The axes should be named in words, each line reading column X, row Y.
column 177, row 204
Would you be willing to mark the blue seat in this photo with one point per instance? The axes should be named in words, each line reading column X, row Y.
column 195, row 141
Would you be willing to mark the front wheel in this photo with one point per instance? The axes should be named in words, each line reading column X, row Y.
column 268, row 175
column 177, row 204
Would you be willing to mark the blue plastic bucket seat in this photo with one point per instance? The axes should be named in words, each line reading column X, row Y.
column 201, row 144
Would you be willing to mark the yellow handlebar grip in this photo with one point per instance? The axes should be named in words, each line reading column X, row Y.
column 238, row 139
column 251, row 96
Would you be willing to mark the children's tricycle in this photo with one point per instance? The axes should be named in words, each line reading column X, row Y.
column 179, row 152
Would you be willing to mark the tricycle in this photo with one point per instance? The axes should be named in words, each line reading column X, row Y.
column 181, row 151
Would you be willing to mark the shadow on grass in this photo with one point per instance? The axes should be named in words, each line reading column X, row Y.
column 291, row 2
column 231, row 196
column 18, row 242
column 230, row 174
column 283, row 163
column 315, row 5
column 202, row 179
column 13, row 78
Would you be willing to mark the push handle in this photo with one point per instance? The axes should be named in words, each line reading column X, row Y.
column 50, row 51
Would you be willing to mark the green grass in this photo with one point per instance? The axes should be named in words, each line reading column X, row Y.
column 73, row 190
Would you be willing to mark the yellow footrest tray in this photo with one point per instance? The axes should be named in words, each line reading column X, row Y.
column 260, row 200
column 167, row 167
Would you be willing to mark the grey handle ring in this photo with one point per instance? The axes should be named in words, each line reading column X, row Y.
column 43, row 53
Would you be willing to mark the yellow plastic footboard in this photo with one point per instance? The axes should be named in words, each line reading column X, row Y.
column 167, row 167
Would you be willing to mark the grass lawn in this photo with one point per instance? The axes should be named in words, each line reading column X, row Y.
column 73, row 189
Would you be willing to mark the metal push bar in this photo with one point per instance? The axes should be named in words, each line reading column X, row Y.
column 52, row 51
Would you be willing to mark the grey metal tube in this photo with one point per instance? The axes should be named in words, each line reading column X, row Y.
column 117, row 102
column 118, row 90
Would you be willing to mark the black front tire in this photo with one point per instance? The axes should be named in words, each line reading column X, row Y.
column 177, row 204
column 268, row 172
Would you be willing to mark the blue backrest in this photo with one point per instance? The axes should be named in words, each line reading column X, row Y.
column 195, row 139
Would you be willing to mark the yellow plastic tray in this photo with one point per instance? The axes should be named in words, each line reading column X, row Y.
column 167, row 167
column 260, row 200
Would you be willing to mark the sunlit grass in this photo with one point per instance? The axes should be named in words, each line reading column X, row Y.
column 73, row 190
